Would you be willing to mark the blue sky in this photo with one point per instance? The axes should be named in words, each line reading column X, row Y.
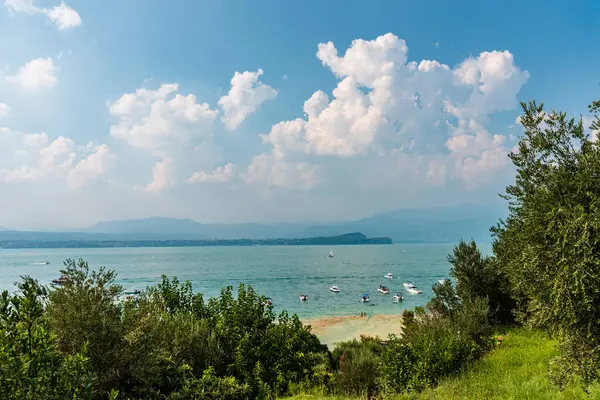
column 97, row 121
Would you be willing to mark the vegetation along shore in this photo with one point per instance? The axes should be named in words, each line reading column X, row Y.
column 521, row 323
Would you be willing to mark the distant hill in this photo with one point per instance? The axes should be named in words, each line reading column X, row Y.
column 443, row 224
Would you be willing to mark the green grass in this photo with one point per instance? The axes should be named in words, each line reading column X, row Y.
column 518, row 369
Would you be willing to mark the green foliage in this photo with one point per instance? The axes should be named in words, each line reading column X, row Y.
column 548, row 245
column 479, row 277
column 169, row 342
column 435, row 345
column 30, row 365
column 210, row 387
column 356, row 366
column 86, row 310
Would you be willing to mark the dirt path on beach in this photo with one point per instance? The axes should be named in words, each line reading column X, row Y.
column 331, row 330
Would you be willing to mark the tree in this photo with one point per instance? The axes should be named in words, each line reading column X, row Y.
column 549, row 246
column 86, row 309
column 478, row 277
column 30, row 366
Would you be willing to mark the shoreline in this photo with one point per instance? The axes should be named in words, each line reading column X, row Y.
column 334, row 329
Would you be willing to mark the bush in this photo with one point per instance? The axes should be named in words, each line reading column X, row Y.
column 30, row 366
column 86, row 310
column 356, row 366
column 434, row 346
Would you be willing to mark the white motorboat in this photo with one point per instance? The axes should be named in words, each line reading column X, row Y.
column 330, row 255
column 132, row 292
column 383, row 289
column 398, row 297
column 303, row 297
column 410, row 288
column 365, row 298
column 335, row 289
column 388, row 276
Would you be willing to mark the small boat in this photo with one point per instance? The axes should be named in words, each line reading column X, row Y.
column 398, row 297
column 408, row 285
column 303, row 297
column 330, row 255
column 132, row 292
column 46, row 263
column 388, row 276
column 268, row 302
column 383, row 289
column 61, row 281
column 335, row 289
column 365, row 298
column 410, row 288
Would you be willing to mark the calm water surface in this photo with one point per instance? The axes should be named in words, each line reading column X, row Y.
column 279, row 272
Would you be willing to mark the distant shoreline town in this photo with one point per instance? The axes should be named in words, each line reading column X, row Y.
column 345, row 239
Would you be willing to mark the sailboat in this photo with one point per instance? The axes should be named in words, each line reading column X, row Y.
column 330, row 255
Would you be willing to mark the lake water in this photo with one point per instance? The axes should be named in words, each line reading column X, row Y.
column 279, row 272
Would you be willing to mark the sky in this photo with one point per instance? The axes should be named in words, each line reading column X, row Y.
column 269, row 111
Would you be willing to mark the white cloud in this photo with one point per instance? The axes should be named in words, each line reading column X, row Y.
column 276, row 172
column 221, row 174
column 39, row 73
column 92, row 167
column 62, row 16
column 4, row 110
column 35, row 139
column 28, row 157
column 246, row 95
column 159, row 121
column 385, row 104
column 161, row 176
column 24, row 6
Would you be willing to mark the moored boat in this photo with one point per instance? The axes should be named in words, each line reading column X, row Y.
column 268, row 302
column 383, row 289
column 365, row 298
column 398, row 297
column 330, row 255
column 335, row 289
column 388, row 276
column 303, row 297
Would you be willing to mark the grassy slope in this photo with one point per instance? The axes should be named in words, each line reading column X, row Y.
column 516, row 370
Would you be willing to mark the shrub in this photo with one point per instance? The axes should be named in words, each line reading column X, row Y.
column 356, row 366
column 435, row 345
column 86, row 310
column 30, row 366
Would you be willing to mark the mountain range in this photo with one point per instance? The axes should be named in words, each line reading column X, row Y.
column 442, row 224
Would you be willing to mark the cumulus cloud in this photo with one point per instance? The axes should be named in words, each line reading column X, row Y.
column 28, row 157
column 161, row 120
column 220, row 174
column 92, row 167
column 36, row 74
column 164, row 123
column 246, row 95
column 161, row 176
column 386, row 105
column 62, row 16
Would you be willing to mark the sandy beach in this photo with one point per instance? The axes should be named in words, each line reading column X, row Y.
column 331, row 330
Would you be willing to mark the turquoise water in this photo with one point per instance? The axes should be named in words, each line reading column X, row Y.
column 279, row 272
